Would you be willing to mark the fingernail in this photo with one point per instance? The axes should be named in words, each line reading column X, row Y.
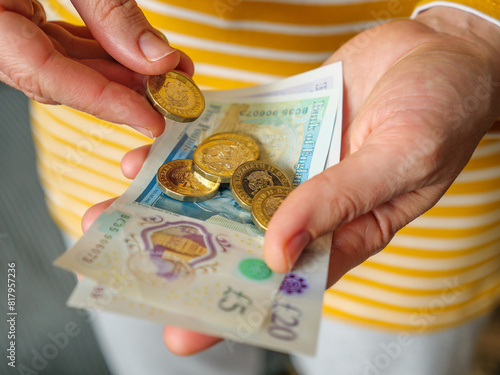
column 148, row 133
column 295, row 247
column 153, row 47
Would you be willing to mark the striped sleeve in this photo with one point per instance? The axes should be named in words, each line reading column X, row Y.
column 234, row 44
column 486, row 9
column 441, row 270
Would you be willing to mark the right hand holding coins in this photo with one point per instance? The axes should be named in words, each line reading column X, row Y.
column 227, row 157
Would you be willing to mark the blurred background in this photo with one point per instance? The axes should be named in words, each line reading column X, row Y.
column 30, row 239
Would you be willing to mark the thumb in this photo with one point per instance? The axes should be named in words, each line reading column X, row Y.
column 369, row 204
column 124, row 32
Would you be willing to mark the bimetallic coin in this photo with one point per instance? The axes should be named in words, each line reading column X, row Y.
column 253, row 176
column 238, row 137
column 265, row 203
column 178, row 181
column 175, row 96
column 217, row 160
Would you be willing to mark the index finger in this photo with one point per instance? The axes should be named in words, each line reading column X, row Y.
column 333, row 198
column 36, row 67
column 124, row 32
column 184, row 342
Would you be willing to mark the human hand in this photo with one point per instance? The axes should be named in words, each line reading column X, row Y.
column 100, row 69
column 419, row 96
column 408, row 85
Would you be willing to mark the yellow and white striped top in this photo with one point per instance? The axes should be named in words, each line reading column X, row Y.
column 439, row 271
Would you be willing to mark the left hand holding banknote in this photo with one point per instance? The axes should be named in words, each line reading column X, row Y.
column 408, row 132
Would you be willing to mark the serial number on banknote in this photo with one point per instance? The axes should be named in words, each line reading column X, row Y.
column 91, row 255
column 274, row 113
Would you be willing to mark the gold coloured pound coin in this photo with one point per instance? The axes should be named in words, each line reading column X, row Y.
column 238, row 137
column 265, row 203
column 177, row 180
column 175, row 96
column 253, row 176
column 216, row 160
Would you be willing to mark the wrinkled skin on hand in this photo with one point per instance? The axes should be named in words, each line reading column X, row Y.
column 419, row 96
column 99, row 69
column 414, row 95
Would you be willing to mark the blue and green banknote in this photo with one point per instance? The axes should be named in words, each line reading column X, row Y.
column 200, row 265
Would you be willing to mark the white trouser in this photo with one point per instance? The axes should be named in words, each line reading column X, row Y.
column 133, row 346
column 345, row 349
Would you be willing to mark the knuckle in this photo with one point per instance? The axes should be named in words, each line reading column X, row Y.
column 351, row 246
column 340, row 203
column 116, row 11
column 385, row 230
column 32, row 85
column 328, row 205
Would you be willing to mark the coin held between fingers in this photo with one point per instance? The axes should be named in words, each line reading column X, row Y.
column 175, row 96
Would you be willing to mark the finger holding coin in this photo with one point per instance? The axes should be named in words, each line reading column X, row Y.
column 175, row 96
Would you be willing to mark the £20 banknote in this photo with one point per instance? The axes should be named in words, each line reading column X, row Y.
column 200, row 265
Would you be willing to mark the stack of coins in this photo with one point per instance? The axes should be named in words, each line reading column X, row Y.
column 177, row 180
column 258, row 187
column 218, row 156
column 215, row 160
column 227, row 157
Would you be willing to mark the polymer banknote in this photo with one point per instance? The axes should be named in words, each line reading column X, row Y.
column 202, row 263
column 288, row 323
